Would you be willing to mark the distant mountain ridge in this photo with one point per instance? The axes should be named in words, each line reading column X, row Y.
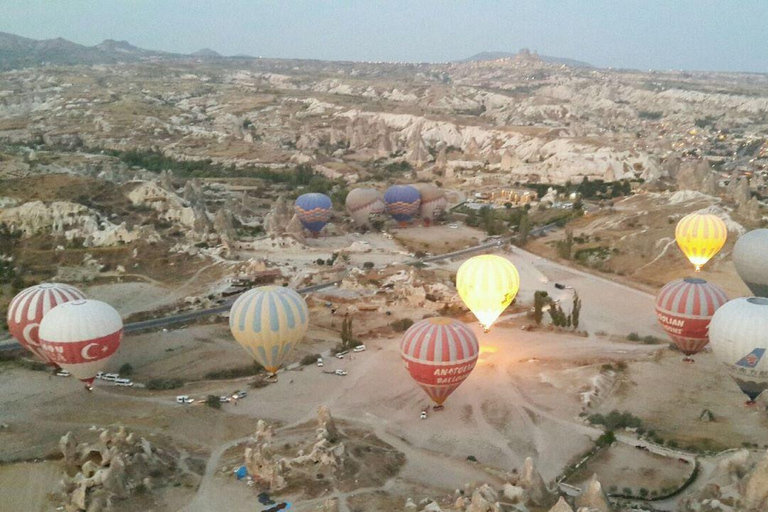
column 483, row 56
column 19, row 52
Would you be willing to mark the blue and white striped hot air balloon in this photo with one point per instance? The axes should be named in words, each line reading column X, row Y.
column 402, row 202
column 314, row 211
column 268, row 322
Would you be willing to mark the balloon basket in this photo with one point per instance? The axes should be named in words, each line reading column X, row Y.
column 438, row 407
column 750, row 403
column 89, row 388
column 688, row 360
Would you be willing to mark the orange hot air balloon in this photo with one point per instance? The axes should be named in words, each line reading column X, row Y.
column 439, row 353
column 700, row 236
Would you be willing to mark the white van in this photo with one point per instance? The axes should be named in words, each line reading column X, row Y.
column 320, row 362
column 184, row 399
column 124, row 382
column 341, row 355
column 110, row 376
column 359, row 348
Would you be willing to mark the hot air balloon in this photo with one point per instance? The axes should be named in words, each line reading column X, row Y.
column 80, row 336
column 700, row 236
column 402, row 202
column 362, row 203
column 314, row 211
column 750, row 256
column 439, row 353
column 433, row 201
column 738, row 336
column 268, row 322
column 684, row 309
column 487, row 284
column 28, row 308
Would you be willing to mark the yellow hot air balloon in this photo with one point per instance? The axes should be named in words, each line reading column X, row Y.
column 487, row 284
column 268, row 322
column 700, row 236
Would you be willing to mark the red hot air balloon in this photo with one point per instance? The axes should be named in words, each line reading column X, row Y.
column 28, row 308
column 81, row 336
column 684, row 309
column 439, row 353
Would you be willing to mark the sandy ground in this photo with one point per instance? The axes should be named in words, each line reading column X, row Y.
column 622, row 466
column 26, row 486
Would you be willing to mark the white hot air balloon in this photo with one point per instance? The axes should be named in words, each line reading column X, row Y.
column 80, row 336
column 361, row 203
column 737, row 334
column 750, row 256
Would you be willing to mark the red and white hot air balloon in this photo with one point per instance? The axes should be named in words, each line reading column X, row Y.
column 81, row 336
column 28, row 308
column 684, row 309
column 439, row 353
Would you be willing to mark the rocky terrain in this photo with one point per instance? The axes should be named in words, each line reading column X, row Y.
column 163, row 183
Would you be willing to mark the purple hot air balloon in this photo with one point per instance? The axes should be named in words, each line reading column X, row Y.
column 402, row 202
column 314, row 211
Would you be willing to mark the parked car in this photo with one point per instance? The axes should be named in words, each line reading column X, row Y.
column 320, row 362
column 184, row 399
column 124, row 382
column 359, row 348
column 224, row 399
column 340, row 373
column 63, row 373
column 239, row 394
column 423, row 415
column 110, row 376
column 341, row 355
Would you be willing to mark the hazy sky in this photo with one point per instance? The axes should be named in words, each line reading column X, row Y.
column 660, row 34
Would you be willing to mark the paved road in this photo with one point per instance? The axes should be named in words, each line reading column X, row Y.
column 157, row 323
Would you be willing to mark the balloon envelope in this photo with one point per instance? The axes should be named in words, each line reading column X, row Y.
column 268, row 322
column 402, row 202
column 700, row 236
column 750, row 256
column 487, row 284
column 433, row 201
column 313, row 210
column 439, row 353
column 81, row 336
column 684, row 309
column 738, row 336
column 362, row 203
column 29, row 307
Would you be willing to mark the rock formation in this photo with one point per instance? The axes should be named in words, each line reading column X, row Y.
column 697, row 177
column 115, row 466
column 593, row 498
column 325, row 455
column 561, row 506
column 533, row 483
column 72, row 221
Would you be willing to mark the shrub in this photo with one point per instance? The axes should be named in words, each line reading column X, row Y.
column 235, row 373
column 401, row 325
column 607, row 439
column 309, row 359
column 368, row 265
column 126, row 369
column 472, row 458
column 160, row 384
column 213, row 402
column 633, row 336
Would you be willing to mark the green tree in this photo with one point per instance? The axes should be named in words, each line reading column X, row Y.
column 565, row 246
column 576, row 310
column 523, row 228
column 213, row 401
column 540, row 299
